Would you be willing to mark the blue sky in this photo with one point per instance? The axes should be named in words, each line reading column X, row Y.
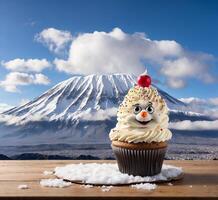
column 191, row 24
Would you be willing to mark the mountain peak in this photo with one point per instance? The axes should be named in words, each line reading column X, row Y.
column 68, row 99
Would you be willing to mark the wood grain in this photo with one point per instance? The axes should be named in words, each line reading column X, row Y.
column 200, row 182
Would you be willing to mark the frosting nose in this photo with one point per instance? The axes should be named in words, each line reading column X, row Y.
column 143, row 114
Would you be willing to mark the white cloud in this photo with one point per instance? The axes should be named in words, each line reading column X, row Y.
column 15, row 79
column 23, row 102
column 193, row 100
column 194, row 125
column 116, row 51
column 212, row 112
column 31, row 23
column 214, row 101
column 56, row 40
column 41, row 79
column 98, row 115
column 9, row 119
column 175, row 83
column 4, row 107
column 205, row 106
column 189, row 66
column 120, row 52
column 20, row 120
column 200, row 101
column 29, row 65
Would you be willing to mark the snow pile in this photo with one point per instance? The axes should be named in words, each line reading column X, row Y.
column 109, row 174
column 145, row 186
column 23, row 187
column 105, row 188
column 59, row 183
column 87, row 186
column 46, row 173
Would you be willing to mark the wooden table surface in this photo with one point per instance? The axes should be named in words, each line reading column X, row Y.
column 200, row 182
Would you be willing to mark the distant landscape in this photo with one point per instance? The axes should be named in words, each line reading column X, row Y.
column 181, row 151
column 72, row 120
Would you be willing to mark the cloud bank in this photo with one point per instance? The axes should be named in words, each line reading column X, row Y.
column 21, row 75
column 29, row 65
column 4, row 107
column 14, row 79
column 20, row 120
column 194, row 125
column 98, row 115
column 56, row 40
column 207, row 107
column 200, row 101
column 120, row 52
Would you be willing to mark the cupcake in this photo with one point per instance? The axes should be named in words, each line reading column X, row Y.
column 139, row 140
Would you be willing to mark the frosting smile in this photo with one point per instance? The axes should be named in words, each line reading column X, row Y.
column 143, row 123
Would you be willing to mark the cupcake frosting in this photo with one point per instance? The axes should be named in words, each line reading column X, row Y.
column 142, row 117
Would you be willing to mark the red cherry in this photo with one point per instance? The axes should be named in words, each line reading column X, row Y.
column 144, row 81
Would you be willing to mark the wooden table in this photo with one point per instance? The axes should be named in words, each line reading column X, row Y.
column 200, row 182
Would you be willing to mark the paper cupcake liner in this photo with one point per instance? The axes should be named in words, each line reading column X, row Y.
column 143, row 162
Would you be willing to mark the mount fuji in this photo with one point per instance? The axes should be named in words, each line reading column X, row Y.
column 80, row 110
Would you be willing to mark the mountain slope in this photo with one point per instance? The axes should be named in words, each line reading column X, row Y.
column 80, row 93
column 77, row 94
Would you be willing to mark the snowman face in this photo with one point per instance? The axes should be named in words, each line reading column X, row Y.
column 143, row 115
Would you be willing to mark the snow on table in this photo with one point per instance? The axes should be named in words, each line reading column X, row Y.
column 109, row 174
column 23, row 187
column 59, row 183
column 46, row 173
column 144, row 186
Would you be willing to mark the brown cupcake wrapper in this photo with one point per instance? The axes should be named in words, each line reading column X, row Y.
column 139, row 162
column 140, row 146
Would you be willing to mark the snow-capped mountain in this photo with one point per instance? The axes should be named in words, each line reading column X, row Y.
column 78, row 94
column 80, row 109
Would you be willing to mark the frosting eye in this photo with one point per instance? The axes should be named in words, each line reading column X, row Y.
column 150, row 109
column 137, row 109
